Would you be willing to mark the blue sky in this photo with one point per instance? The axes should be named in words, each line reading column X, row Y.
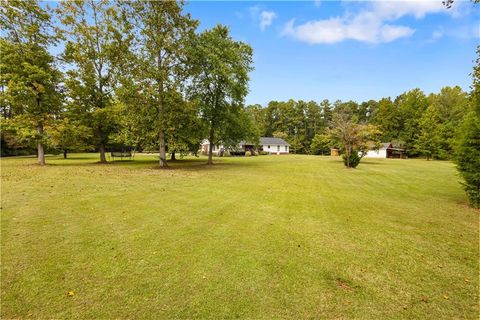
column 315, row 50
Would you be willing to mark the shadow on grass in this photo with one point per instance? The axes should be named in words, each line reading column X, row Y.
column 370, row 163
column 190, row 164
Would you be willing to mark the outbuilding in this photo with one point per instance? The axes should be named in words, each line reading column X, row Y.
column 386, row 150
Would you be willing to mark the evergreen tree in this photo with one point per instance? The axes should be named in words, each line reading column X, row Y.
column 468, row 149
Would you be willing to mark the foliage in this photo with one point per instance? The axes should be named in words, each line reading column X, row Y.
column 29, row 78
column 468, row 157
column 220, row 84
column 352, row 137
column 352, row 160
column 158, row 65
column 468, row 149
column 321, row 144
column 68, row 135
column 428, row 141
column 92, row 52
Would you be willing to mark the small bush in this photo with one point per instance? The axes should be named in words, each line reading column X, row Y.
column 263, row 153
column 248, row 154
column 353, row 161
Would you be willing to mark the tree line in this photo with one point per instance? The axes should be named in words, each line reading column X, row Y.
column 133, row 73
column 422, row 125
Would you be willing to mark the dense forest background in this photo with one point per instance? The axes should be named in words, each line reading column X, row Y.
column 423, row 125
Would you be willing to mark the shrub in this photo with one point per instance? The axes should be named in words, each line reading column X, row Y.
column 354, row 160
column 263, row 153
column 248, row 154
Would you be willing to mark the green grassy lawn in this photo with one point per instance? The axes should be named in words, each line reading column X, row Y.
column 261, row 237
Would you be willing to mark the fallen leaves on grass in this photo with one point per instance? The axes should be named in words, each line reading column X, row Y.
column 70, row 293
column 342, row 284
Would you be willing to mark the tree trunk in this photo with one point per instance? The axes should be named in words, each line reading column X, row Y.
column 65, row 154
column 40, row 150
column 172, row 156
column 348, row 157
column 210, row 150
column 103, row 159
column 161, row 151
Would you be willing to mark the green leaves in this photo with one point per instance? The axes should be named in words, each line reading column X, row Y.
column 29, row 78
column 220, row 84
column 468, row 147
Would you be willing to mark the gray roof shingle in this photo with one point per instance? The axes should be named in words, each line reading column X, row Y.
column 267, row 141
column 273, row 141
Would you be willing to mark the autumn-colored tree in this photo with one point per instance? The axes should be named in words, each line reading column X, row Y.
column 353, row 139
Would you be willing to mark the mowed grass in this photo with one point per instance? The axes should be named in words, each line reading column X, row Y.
column 260, row 238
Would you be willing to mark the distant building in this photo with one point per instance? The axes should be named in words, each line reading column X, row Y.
column 387, row 150
column 267, row 144
column 274, row 145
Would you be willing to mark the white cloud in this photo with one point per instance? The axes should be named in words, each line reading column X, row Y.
column 389, row 33
column 266, row 19
column 263, row 17
column 369, row 25
column 392, row 10
column 362, row 28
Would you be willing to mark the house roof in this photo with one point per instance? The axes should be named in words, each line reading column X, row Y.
column 273, row 141
column 385, row 146
column 262, row 141
column 267, row 141
column 390, row 146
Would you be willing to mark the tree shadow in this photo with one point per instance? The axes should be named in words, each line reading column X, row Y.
column 179, row 164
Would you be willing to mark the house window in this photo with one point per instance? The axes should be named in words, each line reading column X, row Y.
column 278, row 148
column 268, row 147
column 286, row 148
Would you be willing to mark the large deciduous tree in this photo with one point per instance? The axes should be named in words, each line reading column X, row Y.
column 220, row 84
column 91, row 53
column 428, row 140
column 159, row 66
column 29, row 78
column 411, row 106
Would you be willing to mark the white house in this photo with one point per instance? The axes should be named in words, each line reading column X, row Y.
column 274, row 145
column 386, row 150
column 266, row 144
